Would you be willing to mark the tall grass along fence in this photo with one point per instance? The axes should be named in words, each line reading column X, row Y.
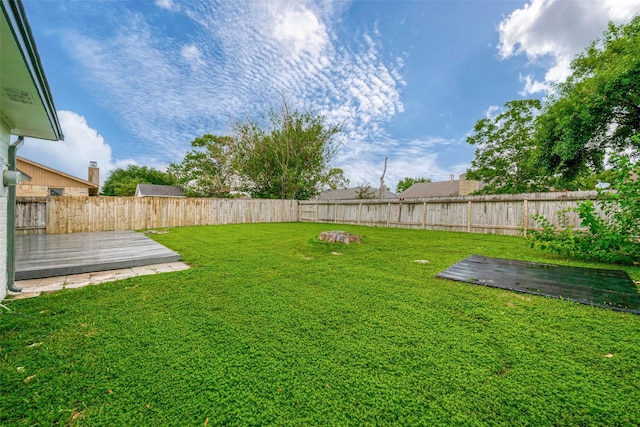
column 491, row 214
column 60, row 215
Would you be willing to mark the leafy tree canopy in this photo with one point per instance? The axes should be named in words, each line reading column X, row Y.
column 407, row 182
column 287, row 160
column 365, row 191
column 206, row 170
column 334, row 180
column 123, row 182
column 597, row 108
column 505, row 158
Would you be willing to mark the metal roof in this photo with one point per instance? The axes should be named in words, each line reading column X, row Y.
column 26, row 103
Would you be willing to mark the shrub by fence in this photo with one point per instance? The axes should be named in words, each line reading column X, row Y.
column 497, row 214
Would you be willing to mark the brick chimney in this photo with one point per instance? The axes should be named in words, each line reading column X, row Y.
column 94, row 175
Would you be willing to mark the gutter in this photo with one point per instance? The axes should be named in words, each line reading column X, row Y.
column 11, row 179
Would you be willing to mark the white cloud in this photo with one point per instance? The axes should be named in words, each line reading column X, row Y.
column 492, row 111
column 167, row 4
column 532, row 86
column 192, row 54
column 363, row 163
column 82, row 144
column 242, row 57
column 552, row 32
column 299, row 30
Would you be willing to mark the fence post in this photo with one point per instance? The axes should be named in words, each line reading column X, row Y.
column 67, row 215
column 525, row 216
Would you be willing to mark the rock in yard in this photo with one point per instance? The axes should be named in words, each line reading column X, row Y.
column 339, row 236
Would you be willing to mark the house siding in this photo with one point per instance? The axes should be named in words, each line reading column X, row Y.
column 4, row 155
column 43, row 191
column 43, row 179
column 468, row 186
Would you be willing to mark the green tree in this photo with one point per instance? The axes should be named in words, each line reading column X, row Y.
column 407, row 182
column 505, row 159
column 334, row 180
column 206, row 171
column 598, row 107
column 287, row 160
column 365, row 191
column 123, row 182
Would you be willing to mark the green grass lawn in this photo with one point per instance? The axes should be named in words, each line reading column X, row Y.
column 270, row 327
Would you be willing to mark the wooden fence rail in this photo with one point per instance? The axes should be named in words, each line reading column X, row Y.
column 490, row 214
column 76, row 214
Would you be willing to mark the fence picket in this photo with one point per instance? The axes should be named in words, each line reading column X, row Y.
column 499, row 214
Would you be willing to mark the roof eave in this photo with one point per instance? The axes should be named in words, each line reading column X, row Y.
column 14, row 13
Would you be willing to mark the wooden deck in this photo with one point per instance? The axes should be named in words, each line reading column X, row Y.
column 47, row 255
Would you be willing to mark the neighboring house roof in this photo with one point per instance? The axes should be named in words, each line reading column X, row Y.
column 25, row 98
column 152, row 190
column 351, row 193
column 22, row 164
column 453, row 187
column 431, row 189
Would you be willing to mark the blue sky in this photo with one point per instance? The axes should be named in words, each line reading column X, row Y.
column 135, row 81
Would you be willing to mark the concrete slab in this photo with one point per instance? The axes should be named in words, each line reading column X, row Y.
column 35, row 287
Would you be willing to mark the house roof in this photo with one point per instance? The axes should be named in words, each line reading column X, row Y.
column 351, row 193
column 431, row 189
column 86, row 183
column 152, row 190
column 26, row 103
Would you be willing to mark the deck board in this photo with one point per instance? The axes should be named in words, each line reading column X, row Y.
column 63, row 254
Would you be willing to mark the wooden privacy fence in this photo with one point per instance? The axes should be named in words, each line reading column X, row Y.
column 31, row 215
column 76, row 214
column 489, row 214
